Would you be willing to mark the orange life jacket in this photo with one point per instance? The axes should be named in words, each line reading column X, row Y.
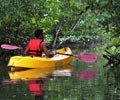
column 34, row 49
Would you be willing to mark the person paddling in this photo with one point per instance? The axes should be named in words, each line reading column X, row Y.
column 37, row 46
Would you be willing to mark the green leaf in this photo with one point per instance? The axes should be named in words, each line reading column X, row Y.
column 33, row 20
column 113, row 50
column 114, row 41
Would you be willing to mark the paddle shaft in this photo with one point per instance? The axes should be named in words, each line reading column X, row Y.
column 83, row 56
column 65, row 54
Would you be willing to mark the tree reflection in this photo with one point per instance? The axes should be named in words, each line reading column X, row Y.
column 112, row 72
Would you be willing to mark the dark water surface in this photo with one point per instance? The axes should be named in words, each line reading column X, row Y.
column 105, row 86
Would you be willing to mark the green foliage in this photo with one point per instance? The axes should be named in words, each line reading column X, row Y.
column 112, row 50
column 20, row 18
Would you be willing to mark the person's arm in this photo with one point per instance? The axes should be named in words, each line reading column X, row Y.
column 43, row 46
column 26, row 51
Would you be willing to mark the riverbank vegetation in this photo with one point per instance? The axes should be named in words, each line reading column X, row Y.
column 62, row 21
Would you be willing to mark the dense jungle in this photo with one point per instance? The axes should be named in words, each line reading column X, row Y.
column 83, row 25
column 72, row 21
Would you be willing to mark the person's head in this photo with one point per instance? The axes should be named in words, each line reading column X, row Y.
column 39, row 33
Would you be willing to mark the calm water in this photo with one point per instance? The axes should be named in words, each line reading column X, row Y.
column 105, row 86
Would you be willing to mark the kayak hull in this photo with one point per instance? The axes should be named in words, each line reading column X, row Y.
column 39, row 62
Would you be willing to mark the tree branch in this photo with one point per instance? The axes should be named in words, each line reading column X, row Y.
column 75, row 24
column 58, row 31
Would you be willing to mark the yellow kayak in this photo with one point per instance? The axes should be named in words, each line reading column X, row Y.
column 42, row 62
column 31, row 74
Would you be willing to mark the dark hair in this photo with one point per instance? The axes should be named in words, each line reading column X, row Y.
column 38, row 33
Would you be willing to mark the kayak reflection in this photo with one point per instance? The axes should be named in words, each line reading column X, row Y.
column 27, row 74
column 37, row 79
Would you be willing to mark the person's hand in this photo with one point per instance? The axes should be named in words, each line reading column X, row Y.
column 50, row 55
column 54, row 53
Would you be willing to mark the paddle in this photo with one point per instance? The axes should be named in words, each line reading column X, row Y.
column 10, row 47
column 83, row 56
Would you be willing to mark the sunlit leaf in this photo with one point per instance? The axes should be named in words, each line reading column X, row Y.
column 113, row 50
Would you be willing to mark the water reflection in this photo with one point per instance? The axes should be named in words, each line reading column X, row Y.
column 37, row 79
column 87, row 74
column 37, row 87
column 27, row 74
column 112, row 71
column 60, row 84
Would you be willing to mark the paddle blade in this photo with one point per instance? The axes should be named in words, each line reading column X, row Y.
column 11, row 81
column 87, row 74
column 87, row 57
column 10, row 47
